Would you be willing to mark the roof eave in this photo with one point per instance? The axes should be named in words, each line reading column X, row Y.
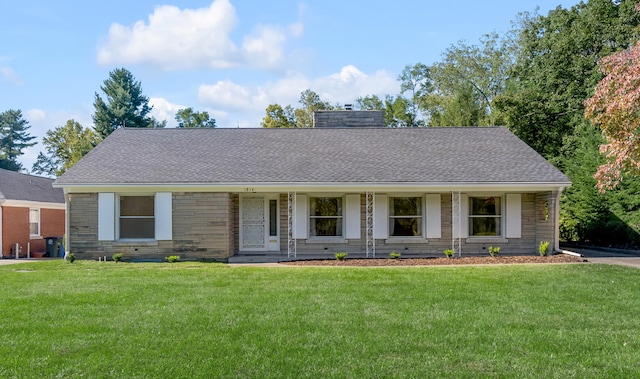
column 315, row 187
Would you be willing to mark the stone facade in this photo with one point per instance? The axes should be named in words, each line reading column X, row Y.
column 202, row 229
column 205, row 226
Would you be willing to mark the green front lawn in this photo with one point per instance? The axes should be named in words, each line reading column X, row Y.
column 196, row 320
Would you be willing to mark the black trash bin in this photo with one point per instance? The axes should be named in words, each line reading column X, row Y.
column 53, row 246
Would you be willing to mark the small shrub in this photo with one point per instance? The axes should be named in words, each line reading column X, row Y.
column 394, row 255
column 494, row 251
column 117, row 257
column 71, row 258
column 543, row 249
column 173, row 258
column 449, row 253
column 341, row 255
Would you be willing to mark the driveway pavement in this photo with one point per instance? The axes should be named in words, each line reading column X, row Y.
column 612, row 257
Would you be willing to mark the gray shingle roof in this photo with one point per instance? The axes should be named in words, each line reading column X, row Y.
column 331, row 155
column 18, row 186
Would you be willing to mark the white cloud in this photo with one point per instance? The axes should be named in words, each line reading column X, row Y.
column 175, row 39
column 164, row 110
column 342, row 87
column 10, row 76
column 247, row 104
column 228, row 95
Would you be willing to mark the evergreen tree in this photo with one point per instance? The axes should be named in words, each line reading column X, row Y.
column 13, row 139
column 125, row 104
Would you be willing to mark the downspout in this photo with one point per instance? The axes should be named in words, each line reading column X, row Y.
column 66, row 224
column 1, row 230
column 556, row 243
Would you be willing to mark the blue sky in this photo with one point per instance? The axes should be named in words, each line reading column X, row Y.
column 231, row 58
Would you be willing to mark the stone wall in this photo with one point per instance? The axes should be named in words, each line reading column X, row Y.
column 202, row 229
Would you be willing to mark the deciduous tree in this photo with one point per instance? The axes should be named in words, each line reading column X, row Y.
column 63, row 147
column 188, row 118
column 615, row 108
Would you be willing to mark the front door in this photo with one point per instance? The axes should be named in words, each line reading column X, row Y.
column 259, row 223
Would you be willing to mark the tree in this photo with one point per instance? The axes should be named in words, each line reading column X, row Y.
column 555, row 68
column 288, row 117
column 397, row 112
column 187, row 118
column 370, row 102
column 467, row 80
column 126, row 106
column 417, row 81
column 13, row 139
column 310, row 102
column 615, row 108
column 278, row 117
column 461, row 109
column 64, row 146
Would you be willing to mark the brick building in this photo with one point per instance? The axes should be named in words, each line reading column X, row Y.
column 30, row 210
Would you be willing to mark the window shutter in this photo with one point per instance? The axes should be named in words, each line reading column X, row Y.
column 353, row 216
column 163, row 214
column 464, row 217
column 433, row 216
column 381, row 217
column 302, row 217
column 514, row 215
column 106, row 216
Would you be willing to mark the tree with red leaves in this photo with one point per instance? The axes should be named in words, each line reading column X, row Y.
column 615, row 108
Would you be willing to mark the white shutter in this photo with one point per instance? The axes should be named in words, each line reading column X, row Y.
column 433, row 216
column 514, row 215
column 464, row 217
column 302, row 217
column 163, row 214
column 106, row 216
column 381, row 217
column 353, row 216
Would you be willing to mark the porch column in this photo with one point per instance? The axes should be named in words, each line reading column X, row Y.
column 370, row 207
column 291, row 222
column 456, row 224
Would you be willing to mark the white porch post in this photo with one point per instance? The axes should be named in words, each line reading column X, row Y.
column 456, row 224
column 291, row 222
column 370, row 207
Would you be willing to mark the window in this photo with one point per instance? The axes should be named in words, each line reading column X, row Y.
column 34, row 222
column 325, row 217
column 137, row 217
column 485, row 216
column 405, row 216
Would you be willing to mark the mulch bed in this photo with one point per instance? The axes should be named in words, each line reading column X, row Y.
column 520, row 259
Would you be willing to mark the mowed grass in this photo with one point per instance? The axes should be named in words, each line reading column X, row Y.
column 197, row 320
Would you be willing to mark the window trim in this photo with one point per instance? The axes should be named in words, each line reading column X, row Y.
column 39, row 233
column 310, row 217
column 501, row 216
column 118, row 216
column 422, row 217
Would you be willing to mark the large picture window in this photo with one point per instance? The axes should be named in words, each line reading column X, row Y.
column 485, row 216
column 137, row 217
column 405, row 216
column 34, row 222
column 325, row 217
